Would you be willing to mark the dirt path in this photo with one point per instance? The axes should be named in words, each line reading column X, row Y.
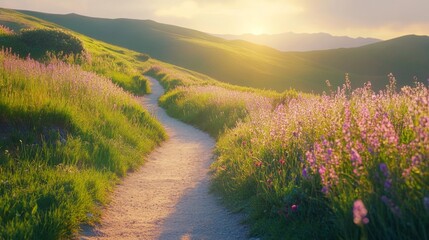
column 168, row 197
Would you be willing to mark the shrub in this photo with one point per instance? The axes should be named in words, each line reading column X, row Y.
column 41, row 41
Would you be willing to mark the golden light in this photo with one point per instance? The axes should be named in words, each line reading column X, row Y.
column 257, row 30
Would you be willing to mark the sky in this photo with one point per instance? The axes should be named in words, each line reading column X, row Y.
column 383, row 19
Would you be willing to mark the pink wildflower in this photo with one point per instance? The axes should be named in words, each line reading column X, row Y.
column 359, row 213
column 294, row 208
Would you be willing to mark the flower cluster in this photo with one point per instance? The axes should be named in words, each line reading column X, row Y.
column 349, row 145
column 359, row 213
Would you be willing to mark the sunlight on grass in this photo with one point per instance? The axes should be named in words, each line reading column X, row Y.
column 298, row 163
column 66, row 136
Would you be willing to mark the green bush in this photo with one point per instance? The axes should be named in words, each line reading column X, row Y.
column 40, row 41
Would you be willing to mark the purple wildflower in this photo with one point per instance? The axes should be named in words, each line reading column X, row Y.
column 304, row 173
column 384, row 169
column 325, row 190
column 388, row 184
column 356, row 160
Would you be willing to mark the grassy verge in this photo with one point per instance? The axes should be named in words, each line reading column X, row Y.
column 66, row 136
column 205, row 103
column 350, row 165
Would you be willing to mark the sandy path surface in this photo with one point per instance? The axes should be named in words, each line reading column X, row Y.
column 168, row 198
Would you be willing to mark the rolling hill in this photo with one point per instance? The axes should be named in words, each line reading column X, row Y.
column 243, row 63
column 290, row 41
column 405, row 56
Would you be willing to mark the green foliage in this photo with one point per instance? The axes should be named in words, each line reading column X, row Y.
column 37, row 42
column 42, row 202
column 66, row 136
column 198, row 108
column 123, row 66
column 205, row 103
column 40, row 41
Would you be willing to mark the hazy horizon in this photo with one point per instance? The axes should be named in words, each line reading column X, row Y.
column 382, row 19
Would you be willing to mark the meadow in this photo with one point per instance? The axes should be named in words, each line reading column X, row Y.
column 349, row 164
column 67, row 136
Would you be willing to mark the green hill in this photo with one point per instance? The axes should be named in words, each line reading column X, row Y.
column 405, row 56
column 66, row 133
column 248, row 64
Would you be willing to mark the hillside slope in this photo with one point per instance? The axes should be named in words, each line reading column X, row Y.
column 405, row 56
column 66, row 134
column 236, row 62
column 248, row 64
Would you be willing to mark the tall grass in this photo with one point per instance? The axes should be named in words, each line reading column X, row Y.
column 306, row 164
column 351, row 165
column 205, row 103
column 66, row 136
column 53, row 44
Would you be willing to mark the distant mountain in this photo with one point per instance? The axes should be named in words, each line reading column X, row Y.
column 242, row 63
column 302, row 41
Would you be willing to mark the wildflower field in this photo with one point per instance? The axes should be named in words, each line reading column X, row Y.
column 351, row 164
column 348, row 164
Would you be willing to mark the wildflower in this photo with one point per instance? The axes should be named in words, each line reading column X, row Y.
column 311, row 159
column 322, row 170
column 294, row 208
column 384, row 169
column 304, row 173
column 356, row 160
column 325, row 190
column 406, row 173
column 388, row 184
column 359, row 213
column 282, row 161
column 415, row 160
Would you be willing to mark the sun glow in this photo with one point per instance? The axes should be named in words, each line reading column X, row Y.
column 257, row 30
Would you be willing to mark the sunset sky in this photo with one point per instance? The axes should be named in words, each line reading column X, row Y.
column 368, row 18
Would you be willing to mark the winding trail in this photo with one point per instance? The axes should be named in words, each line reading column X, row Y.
column 168, row 198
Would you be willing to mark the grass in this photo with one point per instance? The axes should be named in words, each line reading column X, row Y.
column 205, row 103
column 124, row 67
column 314, row 166
column 349, row 164
column 67, row 136
column 313, row 158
